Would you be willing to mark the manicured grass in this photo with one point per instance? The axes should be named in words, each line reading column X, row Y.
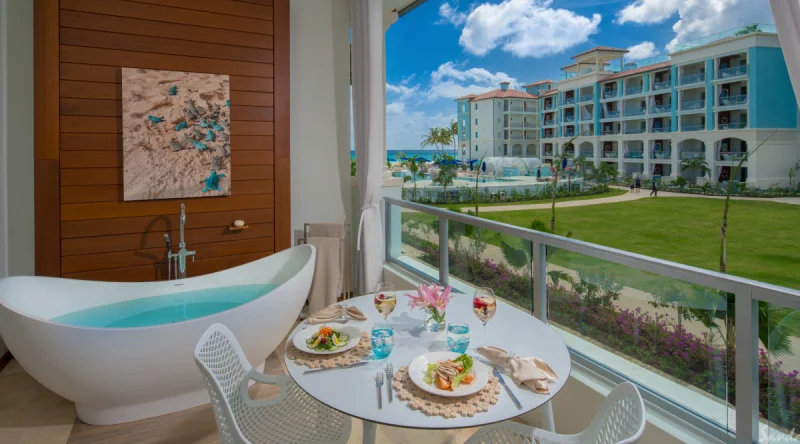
column 610, row 193
column 762, row 236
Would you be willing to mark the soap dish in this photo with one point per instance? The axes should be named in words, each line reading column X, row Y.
column 235, row 228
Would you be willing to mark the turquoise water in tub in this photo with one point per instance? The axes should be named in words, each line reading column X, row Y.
column 165, row 309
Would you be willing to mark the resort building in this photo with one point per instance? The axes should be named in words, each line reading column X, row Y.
column 498, row 123
column 714, row 98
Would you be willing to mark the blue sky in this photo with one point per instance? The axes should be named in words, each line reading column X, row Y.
column 445, row 49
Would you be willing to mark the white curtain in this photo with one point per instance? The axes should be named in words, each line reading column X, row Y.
column 369, row 108
column 787, row 19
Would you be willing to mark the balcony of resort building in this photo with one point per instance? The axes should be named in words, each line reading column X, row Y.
column 600, row 59
column 568, row 98
column 610, row 110
column 547, row 149
column 634, row 107
column 659, row 170
column 569, row 130
column 730, row 120
column 586, row 94
column 609, row 90
column 730, row 149
column 731, row 66
column 692, row 122
column 638, row 126
column 660, row 103
column 569, row 115
column 586, row 150
column 661, row 150
column 549, row 133
column 634, row 169
column 586, row 129
column 692, row 74
column 691, row 149
column 692, row 100
column 549, row 104
column 609, row 149
column 634, row 85
column 660, row 125
column 633, row 150
column 662, row 80
column 612, row 128
column 731, row 94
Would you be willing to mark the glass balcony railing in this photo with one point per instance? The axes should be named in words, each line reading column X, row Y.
column 693, row 78
column 689, row 128
column 610, row 132
column 634, row 130
column 658, row 86
column 635, row 111
column 587, row 133
column 548, row 153
column 634, row 155
column 693, row 155
column 548, row 136
column 733, row 125
column 569, row 119
column 742, row 30
column 610, row 155
column 587, row 154
column 548, row 107
column 733, row 71
column 514, row 125
column 633, row 90
column 517, row 137
column 548, row 122
column 587, row 98
column 661, row 130
column 658, row 109
column 667, row 327
column 569, row 133
column 516, row 109
column 661, row 155
column 692, row 105
column 731, row 156
column 611, row 114
column 733, row 100
column 610, row 94
column 569, row 101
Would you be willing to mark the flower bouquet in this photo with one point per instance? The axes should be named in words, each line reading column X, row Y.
column 433, row 300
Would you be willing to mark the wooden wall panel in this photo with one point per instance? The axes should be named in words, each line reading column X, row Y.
column 81, row 46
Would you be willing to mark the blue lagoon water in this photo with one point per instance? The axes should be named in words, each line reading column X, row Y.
column 165, row 309
column 423, row 154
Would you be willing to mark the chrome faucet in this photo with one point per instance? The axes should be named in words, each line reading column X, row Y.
column 179, row 257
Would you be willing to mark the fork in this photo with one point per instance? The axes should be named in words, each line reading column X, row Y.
column 389, row 376
column 379, row 385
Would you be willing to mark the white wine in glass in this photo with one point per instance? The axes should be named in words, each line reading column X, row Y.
column 385, row 299
column 484, row 305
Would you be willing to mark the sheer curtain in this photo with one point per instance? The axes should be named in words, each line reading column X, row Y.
column 369, row 110
column 787, row 19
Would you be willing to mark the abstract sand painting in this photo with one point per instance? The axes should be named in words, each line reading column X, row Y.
column 175, row 134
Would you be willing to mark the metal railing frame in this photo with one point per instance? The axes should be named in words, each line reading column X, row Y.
column 747, row 294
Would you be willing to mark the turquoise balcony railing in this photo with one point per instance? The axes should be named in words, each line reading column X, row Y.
column 693, row 155
column 733, row 125
column 661, row 85
column 692, row 105
column 569, row 101
column 611, row 114
column 661, row 155
column 657, row 109
column 733, row 100
column 731, row 156
column 689, row 128
column 693, row 78
column 635, row 111
column 733, row 71
column 661, row 130
column 548, row 122
column 569, row 119
column 610, row 94
column 587, row 98
column 548, row 107
column 609, row 155
column 633, row 90
column 587, row 154
column 634, row 130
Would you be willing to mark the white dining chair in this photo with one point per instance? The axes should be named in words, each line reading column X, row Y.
column 620, row 420
column 291, row 417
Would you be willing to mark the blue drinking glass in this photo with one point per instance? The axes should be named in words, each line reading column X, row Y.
column 458, row 336
column 382, row 341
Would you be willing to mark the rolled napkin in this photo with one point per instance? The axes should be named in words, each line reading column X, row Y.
column 334, row 313
column 533, row 372
column 327, row 314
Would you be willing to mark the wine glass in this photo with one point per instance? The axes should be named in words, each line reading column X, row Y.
column 385, row 300
column 484, row 305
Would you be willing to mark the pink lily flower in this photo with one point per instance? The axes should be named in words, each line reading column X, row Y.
column 431, row 296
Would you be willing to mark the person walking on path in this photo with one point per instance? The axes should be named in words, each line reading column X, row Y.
column 638, row 184
column 633, row 184
column 655, row 189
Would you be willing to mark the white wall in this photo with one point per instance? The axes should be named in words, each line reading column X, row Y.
column 320, row 111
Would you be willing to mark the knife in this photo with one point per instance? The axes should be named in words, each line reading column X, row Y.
column 317, row 370
column 508, row 389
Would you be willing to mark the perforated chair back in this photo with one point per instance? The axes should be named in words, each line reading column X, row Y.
column 620, row 419
column 224, row 366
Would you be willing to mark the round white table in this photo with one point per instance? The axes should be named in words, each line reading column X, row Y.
column 352, row 391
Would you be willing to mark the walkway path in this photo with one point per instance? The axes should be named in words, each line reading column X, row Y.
column 644, row 193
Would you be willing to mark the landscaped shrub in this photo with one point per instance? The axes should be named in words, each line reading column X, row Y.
column 650, row 339
column 467, row 194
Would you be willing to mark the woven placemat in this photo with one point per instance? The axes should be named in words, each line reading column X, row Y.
column 433, row 405
column 310, row 360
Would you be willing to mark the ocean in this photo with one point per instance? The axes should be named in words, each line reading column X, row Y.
column 390, row 155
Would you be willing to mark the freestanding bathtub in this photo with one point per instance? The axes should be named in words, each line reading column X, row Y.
column 123, row 351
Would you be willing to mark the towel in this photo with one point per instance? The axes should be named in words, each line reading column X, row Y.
column 334, row 313
column 327, row 284
column 532, row 372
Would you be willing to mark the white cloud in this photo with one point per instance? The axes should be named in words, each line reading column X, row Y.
column 524, row 28
column 648, row 11
column 405, row 92
column 697, row 18
column 451, row 14
column 451, row 82
column 641, row 51
column 396, row 108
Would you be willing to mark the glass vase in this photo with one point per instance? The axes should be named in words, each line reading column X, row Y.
column 434, row 320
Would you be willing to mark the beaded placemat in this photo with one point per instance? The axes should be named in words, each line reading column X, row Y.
column 310, row 360
column 433, row 405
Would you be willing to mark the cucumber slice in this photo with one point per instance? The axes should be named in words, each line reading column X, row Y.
column 343, row 338
column 309, row 341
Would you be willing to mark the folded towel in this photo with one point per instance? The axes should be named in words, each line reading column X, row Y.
column 327, row 284
column 334, row 313
column 532, row 372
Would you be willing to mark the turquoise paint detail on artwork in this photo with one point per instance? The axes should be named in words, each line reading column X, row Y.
column 212, row 182
column 210, row 136
column 174, row 90
column 155, row 119
column 216, row 126
column 181, row 126
column 165, row 309
column 199, row 146
column 203, row 123
column 228, row 103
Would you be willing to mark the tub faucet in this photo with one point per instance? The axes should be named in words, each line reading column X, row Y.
column 182, row 254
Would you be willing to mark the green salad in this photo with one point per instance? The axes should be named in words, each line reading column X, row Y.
column 448, row 375
column 327, row 339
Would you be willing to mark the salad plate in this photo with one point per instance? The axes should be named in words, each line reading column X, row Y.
column 326, row 339
column 448, row 374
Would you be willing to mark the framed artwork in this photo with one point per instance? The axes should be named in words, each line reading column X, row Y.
column 175, row 134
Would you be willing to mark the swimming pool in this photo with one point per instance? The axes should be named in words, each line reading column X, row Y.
column 484, row 180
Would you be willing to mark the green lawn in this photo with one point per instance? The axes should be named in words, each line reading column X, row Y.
column 610, row 193
column 762, row 236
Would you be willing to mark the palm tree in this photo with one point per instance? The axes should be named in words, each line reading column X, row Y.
column 434, row 138
column 453, row 132
column 696, row 164
column 607, row 171
column 558, row 160
column 413, row 168
column 398, row 157
column 748, row 29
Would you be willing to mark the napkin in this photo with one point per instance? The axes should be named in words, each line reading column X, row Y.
column 532, row 372
column 334, row 313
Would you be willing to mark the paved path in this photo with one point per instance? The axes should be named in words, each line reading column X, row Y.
column 643, row 194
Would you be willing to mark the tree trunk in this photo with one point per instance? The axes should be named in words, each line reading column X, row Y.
column 553, row 207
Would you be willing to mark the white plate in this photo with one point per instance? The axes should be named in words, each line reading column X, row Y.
column 417, row 368
column 299, row 340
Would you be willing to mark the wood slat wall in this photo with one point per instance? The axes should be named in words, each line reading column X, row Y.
column 81, row 46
